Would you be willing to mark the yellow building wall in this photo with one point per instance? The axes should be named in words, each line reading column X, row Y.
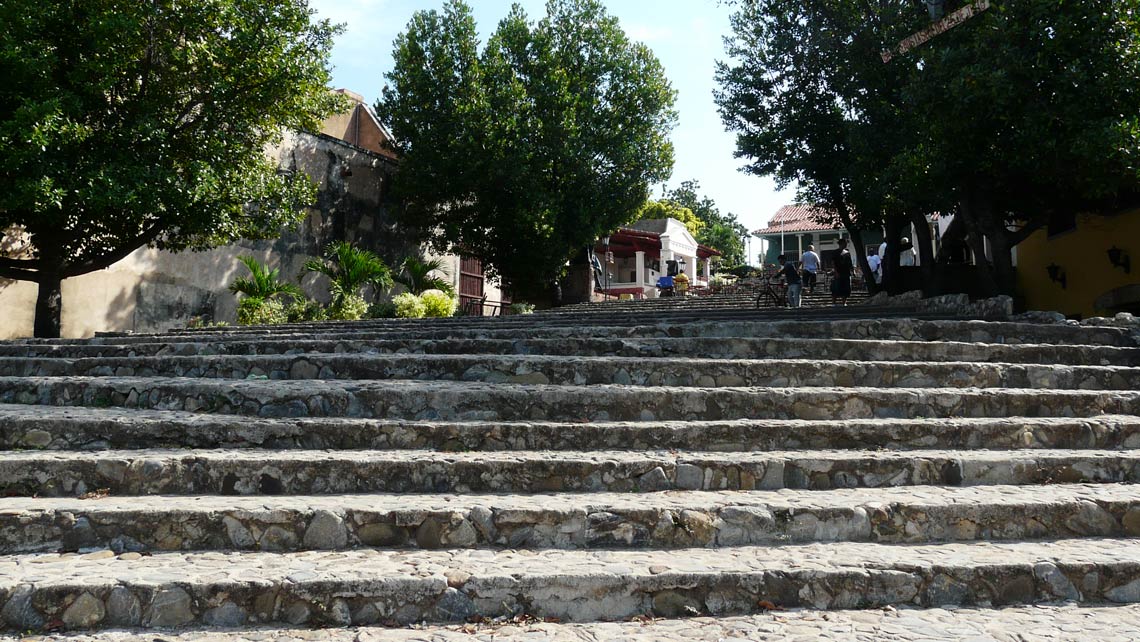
column 1082, row 254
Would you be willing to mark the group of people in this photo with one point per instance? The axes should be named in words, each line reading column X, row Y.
column 810, row 264
column 875, row 260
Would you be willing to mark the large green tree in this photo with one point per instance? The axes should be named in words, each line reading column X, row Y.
column 125, row 124
column 721, row 231
column 526, row 151
column 1026, row 111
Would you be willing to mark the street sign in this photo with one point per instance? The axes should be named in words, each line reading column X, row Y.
column 940, row 27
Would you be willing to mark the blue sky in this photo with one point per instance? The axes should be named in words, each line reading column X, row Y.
column 685, row 35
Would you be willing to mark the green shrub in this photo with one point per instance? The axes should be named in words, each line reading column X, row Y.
column 383, row 310
column 254, row 311
column 438, row 303
column 522, row 307
column 300, row 311
column 348, row 307
column 409, row 306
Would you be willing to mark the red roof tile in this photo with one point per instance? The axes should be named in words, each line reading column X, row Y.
column 797, row 218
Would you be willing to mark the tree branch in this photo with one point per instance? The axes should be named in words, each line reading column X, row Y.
column 9, row 270
column 1025, row 232
column 110, row 258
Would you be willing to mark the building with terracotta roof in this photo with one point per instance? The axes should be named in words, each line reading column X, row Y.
column 795, row 227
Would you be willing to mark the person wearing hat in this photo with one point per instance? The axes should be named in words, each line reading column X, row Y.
column 906, row 256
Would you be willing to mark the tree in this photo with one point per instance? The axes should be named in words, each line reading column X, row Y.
column 125, row 124
column 720, row 231
column 348, row 269
column 669, row 209
column 419, row 275
column 524, row 153
column 1027, row 110
column 262, row 282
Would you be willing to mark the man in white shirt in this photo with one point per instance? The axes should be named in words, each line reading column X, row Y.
column 810, row 263
column 876, row 264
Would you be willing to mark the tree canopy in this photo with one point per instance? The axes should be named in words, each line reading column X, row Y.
column 125, row 124
column 668, row 209
column 721, row 231
column 1024, row 111
column 524, row 152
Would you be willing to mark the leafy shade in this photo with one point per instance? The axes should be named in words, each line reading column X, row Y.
column 125, row 124
column 525, row 152
column 263, row 283
column 349, row 269
column 418, row 275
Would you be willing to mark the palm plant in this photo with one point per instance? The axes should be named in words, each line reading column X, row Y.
column 263, row 283
column 416, row 276
column 349, row 269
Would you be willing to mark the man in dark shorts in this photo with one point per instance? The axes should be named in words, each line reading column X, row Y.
column 841, row 284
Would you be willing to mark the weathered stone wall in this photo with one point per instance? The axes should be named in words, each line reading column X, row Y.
column 152, row 290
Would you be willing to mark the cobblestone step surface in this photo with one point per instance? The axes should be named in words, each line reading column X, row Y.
column 560, row 370
column 481, row 401
column 903, row 329
column 695, row 347
column 368, row 586
column 293, row 472
column 568, row 520
column 1064, row 621
column 81, row 428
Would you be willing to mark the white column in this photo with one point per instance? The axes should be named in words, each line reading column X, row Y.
column 708, row 270
column 639, row 258
column 800, row 240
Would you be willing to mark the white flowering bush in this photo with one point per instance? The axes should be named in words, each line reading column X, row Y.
column 438, row 303
column 409, row 306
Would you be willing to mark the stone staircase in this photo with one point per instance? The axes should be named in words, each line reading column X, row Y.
column 536, row 477
column 738, row 297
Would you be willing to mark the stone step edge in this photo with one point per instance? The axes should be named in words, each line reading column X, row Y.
column 568, row 370
column 298, row 472
column 88, row 428
column 569, row 521
column 412, row 399
column 367, row 586
column 903, row 624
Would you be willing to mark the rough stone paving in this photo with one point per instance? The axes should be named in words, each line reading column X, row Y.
column 726, row 474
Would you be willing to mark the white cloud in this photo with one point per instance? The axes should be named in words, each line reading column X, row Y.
column 648, row 33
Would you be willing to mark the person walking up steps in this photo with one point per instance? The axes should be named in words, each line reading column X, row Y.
column 810, row 264
column 841, row 284
column 792, row 278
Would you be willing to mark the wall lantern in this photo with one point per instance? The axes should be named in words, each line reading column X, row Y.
column 1057, row 275
column 681, row 263
column 1120, row 259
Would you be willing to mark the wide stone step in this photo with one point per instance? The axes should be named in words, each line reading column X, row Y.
column 298, row 472
column 79, row 428
column 859, row 328
column 568, row 521
column 369, row 586
column 696, row 347
column 400, row 399
column 905, row 624
column 558, row 370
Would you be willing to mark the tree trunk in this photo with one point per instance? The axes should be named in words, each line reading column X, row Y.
column 860, row 249
column 891, row 281
column 971, row 209
column 924, row 241
column 49, row 307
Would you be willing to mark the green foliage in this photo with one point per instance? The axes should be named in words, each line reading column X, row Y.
column 300, row 311
column 255, row 311
column 525, row 152
column 1026, row 110
column 262, row 282
column 438, row 303
column 669, row 209
column 350, row 307
column 409, row 306
column 125, row 124
column 349, row 269
column 720, row 231
column 382, row 310
column 522, row 308
column 196, row 323
column 418, row 274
